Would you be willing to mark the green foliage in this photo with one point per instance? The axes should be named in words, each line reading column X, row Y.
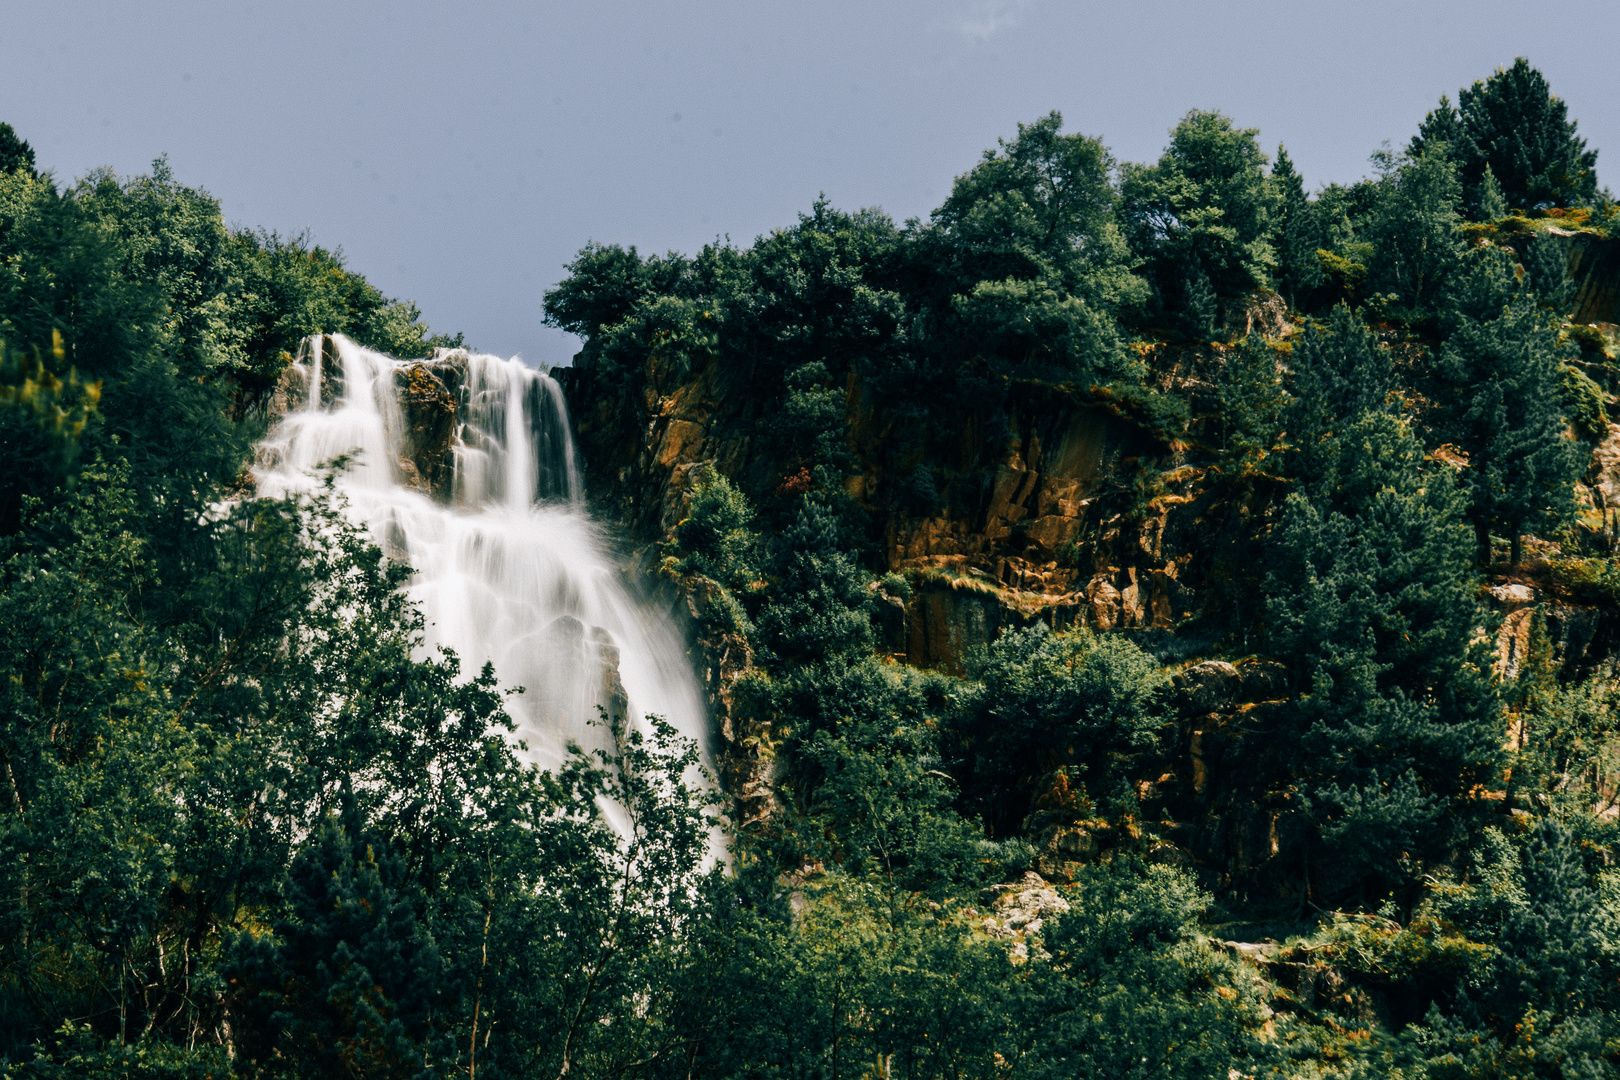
column 1583, row 404
column 1208, row 202
column 1414, row 229
column 249, row 827
column 1492, row 203
column 1040, row 209
column 1543, row 1001
column 1512, row 125
column 1546, row 270
column 1249, row 391
column 1502, row 364
column 862, row 973
column 1340, row 372
column 1199, row 311
column 872, row 781
column 1029, row 247
column 1128, row 989
column 15, row 153
column 1076, row 704
column 77, row 1052
column 822, row 605
column 348, row 976
column 716, row 537
column 1372, row 596
column 1298, row 232
column 44, row 417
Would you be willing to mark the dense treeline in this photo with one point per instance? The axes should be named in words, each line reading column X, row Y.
column 250, row 831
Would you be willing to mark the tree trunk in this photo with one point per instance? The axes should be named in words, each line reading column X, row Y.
column 1516, row 549
column 1482, row 533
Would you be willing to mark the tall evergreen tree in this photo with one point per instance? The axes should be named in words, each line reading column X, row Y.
column 1441, row 128
column 1512, row 125
column 1373, row 599
column 1546, row 268
column 1492, row 203
column 1297, row 234
column 1340, row 372
column 1501, row 362
column 349, row 983
column 1250, row 394
column 1199, row 311
column 1517, row 127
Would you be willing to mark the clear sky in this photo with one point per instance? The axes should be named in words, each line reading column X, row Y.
column 460, row 153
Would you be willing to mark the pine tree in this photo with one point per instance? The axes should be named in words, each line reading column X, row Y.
column 1297, row 234
column 1198, row 306
column 1372, row 599
column 1340, row 372
column 349, row 984
column 1546, row 267
column 1517, row 128
column 1414, row 229
column 1249, row 391
column 1492, row 205
column 1442, row 128
column 1502, row 364
column 15, row 153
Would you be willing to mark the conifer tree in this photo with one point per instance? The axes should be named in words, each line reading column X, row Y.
column 1442, row 128
column 1414, row 229
column 1340, row 372
column 1512, row 126
column 1198, row 307
column 1372, row 599
column 1208, row 200
column 1522, row 132
column 15, row 153
column 1249, row 391
column 1546, row 268
column 352, row 982
column 1502, row 364
column 1297, row 234
column 1492, row 205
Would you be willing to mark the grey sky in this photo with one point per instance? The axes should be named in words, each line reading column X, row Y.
column 461, row 153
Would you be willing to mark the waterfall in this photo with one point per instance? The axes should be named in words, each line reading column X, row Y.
column 508, row 566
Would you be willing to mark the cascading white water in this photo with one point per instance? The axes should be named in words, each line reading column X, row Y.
column 512, row 570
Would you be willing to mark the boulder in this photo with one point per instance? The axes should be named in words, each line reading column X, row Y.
column 1208, row 686
column 1020, row 909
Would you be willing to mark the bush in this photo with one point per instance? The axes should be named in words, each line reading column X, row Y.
column 715, row 538
column 1049, row 703
column 1583, row 404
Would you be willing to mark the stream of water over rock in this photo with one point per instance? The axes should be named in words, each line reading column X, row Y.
column 508, row 565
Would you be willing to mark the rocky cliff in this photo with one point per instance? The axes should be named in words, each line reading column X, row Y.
column 1072, row 511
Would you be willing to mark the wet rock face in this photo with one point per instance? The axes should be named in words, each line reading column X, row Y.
column 741, row 746
column 429, row 393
